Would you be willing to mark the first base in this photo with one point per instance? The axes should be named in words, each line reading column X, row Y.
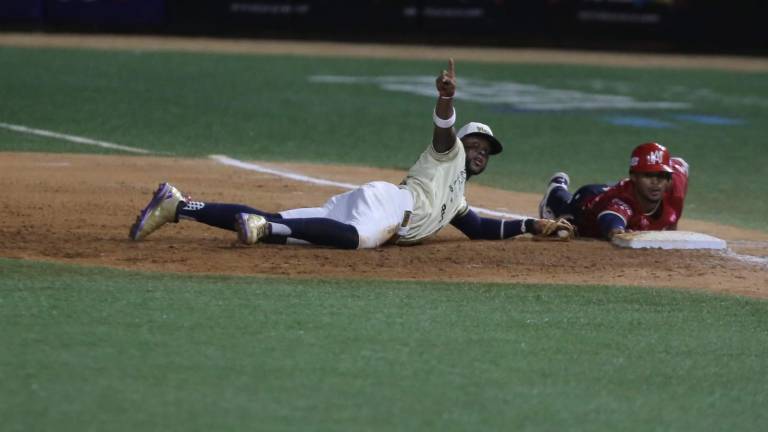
column 668, row 240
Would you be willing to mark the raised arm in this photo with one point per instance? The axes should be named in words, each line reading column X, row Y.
column 444, row 136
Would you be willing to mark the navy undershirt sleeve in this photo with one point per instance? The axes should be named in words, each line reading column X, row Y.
column 480, row 228
column 609, row 222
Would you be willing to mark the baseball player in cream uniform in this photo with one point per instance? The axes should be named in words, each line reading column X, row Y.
column 430, row 197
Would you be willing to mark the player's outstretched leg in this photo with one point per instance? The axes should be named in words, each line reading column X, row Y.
column 556, row 199
column 160, row 210
column 219, row 215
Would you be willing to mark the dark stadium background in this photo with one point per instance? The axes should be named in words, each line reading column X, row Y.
column 704, row 26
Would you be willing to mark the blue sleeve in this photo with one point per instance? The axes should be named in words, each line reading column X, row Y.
column 479, row 228
column 608, row 222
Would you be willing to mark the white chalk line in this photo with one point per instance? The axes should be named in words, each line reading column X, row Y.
column 220, row 158
column 749, row 259
column 226, row 160
column 750, row 243
column 762, row 261
column 71, row 138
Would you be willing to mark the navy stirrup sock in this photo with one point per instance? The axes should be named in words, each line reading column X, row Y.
column 218, row 215
column 318, row 231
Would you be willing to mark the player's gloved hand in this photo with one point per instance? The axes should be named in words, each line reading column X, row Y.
column 625, row 234
column 549, row 229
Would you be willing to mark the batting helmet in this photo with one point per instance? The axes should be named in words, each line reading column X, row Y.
column 650, row 157
column 475, row 128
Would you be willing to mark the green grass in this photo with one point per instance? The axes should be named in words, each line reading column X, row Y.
column 95, row 349
column 264, row 107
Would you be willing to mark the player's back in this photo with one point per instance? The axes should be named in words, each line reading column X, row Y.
column 436, row 182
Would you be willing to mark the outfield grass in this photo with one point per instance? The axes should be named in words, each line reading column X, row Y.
column 95, row 349
column 264, row 107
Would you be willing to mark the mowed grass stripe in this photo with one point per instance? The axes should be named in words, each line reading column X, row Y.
column 95, row 349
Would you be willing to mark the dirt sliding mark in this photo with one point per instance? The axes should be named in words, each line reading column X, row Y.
column 77, row 209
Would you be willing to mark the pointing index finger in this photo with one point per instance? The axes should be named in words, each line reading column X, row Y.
column 451, row 68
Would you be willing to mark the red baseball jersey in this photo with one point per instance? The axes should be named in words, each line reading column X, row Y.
column 620, row 200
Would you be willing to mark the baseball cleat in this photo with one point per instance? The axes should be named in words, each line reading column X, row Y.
column 160, row 210
column 558, row 180
column 250, row 228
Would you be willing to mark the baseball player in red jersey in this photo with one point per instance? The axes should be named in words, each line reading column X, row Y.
column 651, row 199
column 430, row 197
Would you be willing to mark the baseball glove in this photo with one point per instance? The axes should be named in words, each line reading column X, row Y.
column 558, row 230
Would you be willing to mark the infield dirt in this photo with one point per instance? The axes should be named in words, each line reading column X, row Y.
column 78, row 208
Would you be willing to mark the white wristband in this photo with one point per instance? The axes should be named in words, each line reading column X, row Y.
column 523, row 228
column 441, row 123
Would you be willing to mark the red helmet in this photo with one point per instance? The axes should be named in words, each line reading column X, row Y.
column 650, row 157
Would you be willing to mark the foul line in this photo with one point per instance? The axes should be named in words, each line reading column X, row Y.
column 71, row 138
column 226, row 160
column 750, row 259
